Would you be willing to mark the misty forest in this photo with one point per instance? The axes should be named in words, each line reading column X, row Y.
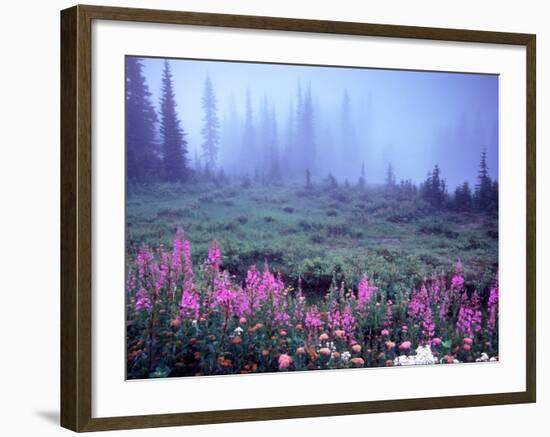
column 285, row 217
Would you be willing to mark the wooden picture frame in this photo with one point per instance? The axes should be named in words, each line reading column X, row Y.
column 76, row 217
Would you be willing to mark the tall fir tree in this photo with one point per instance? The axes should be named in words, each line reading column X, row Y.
column 142, row 155
column 434, row 189
column 483, row 195
column 348, row 147
column 307, row 133
column 248, row 147
column 287, row 160
column 463, row 198
column 362, row 177
column 390, row 178
column 274, row 169
column 174, row 144
column 211, row 125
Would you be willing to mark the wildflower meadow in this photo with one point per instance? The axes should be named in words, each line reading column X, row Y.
column 186, row 320
column 284, row 217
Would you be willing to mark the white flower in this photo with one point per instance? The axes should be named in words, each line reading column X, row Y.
column 404, row 360
column 423, row 356
column 346, row 355
column 493, row 359
column 238, row 330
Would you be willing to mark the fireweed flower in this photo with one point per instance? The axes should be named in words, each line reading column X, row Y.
column 144, row 259
column 492, row 305
column 214, row 256
column 251, row 287
column 469, row 316
column 189, row 305
column 131, row 282
column 313, row 318
column 224, row 294
column 348, row 322
column 143, row 301
column 420, row 310
column 334, row 315
column 457, row 282
column 365, row 292
column 177, row 252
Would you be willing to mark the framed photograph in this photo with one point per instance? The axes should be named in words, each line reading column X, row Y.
column 269, row 218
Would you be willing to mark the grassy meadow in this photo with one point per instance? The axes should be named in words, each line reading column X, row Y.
column 319, row 234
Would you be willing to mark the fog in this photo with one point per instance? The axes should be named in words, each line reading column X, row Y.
column 335, row 119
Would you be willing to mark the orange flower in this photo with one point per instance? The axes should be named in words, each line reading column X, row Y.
column 300, row 350
column 358, row 361
column 325, row 351
column 323, row 336
column 175, row 323
column 339, row 333
column 356, row 348
column 312, row 354
column 237, row 340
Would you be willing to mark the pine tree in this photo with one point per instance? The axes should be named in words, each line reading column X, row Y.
column 348, row 149
column 307, row 132
column 362, row 179
column 287, row 160
column 434, row 189
column 484, row 188
column 308, row 180
column 210, row 131
column 463, row 198
column 174, row 144
column 142, row 157
column 248, row 148
column 390, row 178
column 274, row 169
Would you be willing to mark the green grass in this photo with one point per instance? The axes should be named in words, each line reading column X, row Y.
column 318, row 234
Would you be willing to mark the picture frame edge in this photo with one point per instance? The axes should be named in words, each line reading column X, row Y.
column 76, row 221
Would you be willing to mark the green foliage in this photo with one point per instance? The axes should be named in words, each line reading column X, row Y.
column 397, row 240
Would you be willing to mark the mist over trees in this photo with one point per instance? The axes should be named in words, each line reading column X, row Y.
column 301, row 134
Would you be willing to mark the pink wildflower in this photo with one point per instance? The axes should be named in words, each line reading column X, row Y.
column 284, row 361
column 405, row 345
column 143, row 301
column 215, row 256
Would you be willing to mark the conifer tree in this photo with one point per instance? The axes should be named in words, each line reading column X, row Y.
column 142, row 155
column 174, row 144
column 248, row 148
column 211, row 125
column 483, row 194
